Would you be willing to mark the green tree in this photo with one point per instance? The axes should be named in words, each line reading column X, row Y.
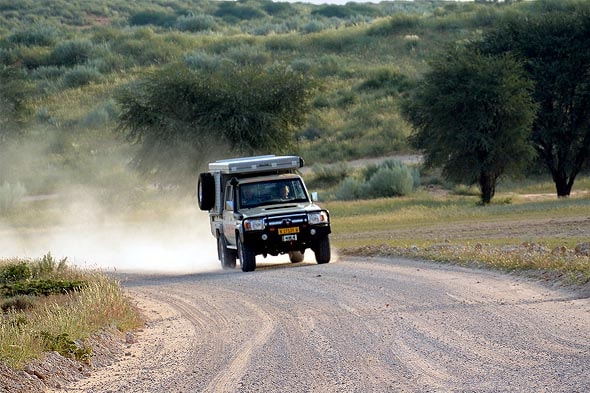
column 472, row 115
column 555, row 47
column 179, row 116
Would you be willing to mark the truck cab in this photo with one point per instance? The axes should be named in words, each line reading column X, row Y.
column 260, row 206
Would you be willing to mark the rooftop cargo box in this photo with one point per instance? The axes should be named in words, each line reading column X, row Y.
column 256, row 164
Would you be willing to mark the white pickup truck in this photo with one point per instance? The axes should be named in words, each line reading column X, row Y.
column 260, row 206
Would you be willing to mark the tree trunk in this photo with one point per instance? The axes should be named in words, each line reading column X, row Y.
column 563, row 185
column 487, row 185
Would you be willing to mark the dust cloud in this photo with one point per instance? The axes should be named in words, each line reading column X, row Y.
column 168, row 241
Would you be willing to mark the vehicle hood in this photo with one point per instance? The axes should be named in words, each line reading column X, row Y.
column 280, row 209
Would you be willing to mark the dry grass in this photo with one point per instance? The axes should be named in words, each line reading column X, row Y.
column 62, row 322
column 525, row 234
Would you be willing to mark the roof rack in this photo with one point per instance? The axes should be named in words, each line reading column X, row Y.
column 257, row 164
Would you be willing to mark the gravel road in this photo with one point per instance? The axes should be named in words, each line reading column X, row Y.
column 355, row 325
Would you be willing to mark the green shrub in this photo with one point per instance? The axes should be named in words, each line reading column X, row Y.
column 329, row 65
column 15, row 272
column 156, row 18
column 303, row 66
column 350, row 189
column 71, row 52
column 388, row 182
column 248, row 55
column 67, row 347
column 8, row 56
column 372, row 169
column 333, row 11
column 33, row 56
column 48, row 72
column 81, row 76
column 202, row 61
column 278, row 8
column 329, row 175
column 34, row 36
column 41, row 287
column 398, row 24
column 231, row 11
column 386, row 79
column 313, row 26
column 48, row 267
column 195, row 23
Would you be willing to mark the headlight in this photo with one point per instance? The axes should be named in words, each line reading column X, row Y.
column 254, row 225
column 317, row 218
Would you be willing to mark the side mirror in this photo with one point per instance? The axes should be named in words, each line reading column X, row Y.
column 314, row 196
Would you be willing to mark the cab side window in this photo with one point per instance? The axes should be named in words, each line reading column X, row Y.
column 229, row 198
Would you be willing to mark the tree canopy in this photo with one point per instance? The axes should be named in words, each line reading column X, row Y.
column 179, row 116
column 472, row 115
column 554, row 46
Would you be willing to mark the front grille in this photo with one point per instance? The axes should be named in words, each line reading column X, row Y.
column 287, row 219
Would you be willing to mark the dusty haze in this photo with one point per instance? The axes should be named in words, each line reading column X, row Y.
column 176, row 241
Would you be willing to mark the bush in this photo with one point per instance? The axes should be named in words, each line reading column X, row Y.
column 313, row 27
column 155, row 18
column 386, row 79
column 278, row 8
column 329, row 175
column 350, row 189
column 301, row 65
column 333, row 11
column 70, row 53
column 81, row 76
column 48, row 72
column 370, row 170
column 10, row 196
column 388, row 182
column 15, row 272
column 48, row 267
column 34, row 36
column 202, row 61
column 195, row 23
column 248, row 55
column 231, row 11
column 388, row 179
column 397, row 24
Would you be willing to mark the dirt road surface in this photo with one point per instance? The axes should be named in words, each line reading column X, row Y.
column 355, row 325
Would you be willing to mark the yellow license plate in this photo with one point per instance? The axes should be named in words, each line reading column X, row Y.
column 287, row 231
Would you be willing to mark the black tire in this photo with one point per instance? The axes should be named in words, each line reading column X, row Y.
column 322, row 251
column 206, row 191
column 227, row 257
column 295, row 256
column 247, row 257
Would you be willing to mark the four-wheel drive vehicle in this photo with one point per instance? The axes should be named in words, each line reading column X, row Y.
column 259, row 205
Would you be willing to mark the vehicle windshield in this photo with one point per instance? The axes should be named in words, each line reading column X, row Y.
column 272, row 192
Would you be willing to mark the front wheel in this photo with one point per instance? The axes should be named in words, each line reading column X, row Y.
column 247, row 257
column 226, row 256
column 322, row 251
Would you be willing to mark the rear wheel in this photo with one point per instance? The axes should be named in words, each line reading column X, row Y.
column 295, row 256
column 322, row 250
column 226, row 256
column 247, row 257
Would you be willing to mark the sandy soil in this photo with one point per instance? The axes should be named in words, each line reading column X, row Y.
column 355, row 325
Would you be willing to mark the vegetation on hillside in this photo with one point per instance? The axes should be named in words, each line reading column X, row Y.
column 64, row 64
